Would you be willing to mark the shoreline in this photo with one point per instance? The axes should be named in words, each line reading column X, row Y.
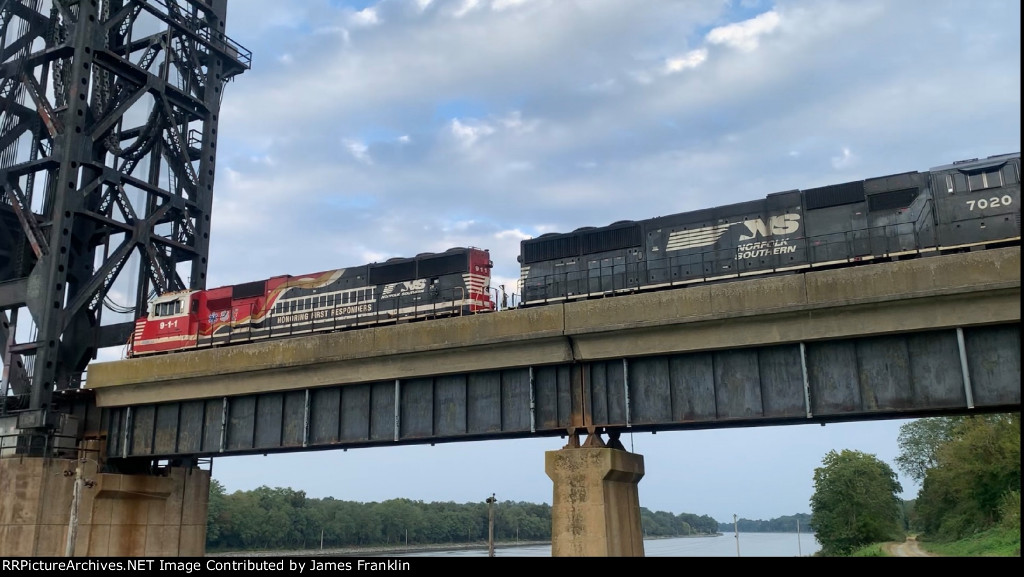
column 384, row 550
column 374, row 551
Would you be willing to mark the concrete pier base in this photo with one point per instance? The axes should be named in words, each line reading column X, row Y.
column 118, row 515
column 595, row 511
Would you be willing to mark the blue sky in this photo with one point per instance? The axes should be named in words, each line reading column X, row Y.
column 368, row 130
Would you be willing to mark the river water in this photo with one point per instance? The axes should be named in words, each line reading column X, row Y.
column 725, row 545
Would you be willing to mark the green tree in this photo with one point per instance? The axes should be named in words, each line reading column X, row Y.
column 919, row 440
column 855, row 502
column 214, row 510
column 975, row 472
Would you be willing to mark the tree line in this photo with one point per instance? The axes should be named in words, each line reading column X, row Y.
column 784, row 524
column 969, row 470
column 284, row 519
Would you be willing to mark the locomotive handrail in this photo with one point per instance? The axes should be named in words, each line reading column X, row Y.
column 462, row 298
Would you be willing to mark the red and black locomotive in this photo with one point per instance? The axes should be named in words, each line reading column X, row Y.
column 455, row 282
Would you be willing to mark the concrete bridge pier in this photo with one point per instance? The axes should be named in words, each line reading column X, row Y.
column 595, row 510
column 162, row 515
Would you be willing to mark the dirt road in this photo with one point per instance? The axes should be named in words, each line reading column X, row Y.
column 908, row 548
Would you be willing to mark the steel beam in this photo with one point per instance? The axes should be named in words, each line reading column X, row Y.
column 878, row 377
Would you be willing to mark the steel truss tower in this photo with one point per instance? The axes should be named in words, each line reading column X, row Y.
column 108, row 139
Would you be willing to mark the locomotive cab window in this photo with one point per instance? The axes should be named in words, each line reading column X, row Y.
column 982, row 179
column 167, row 309
column 956, row 183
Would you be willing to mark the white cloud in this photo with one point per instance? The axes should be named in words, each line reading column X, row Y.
column 500, row 5
column 514, row 122
column 459, row 225
column 514, row 234
column 331, row 30
column 366, row 17
column 467, row 134
column 744, row 35
column 691, row 59
column 358, row 150
column 466, row 7
column 845, row 159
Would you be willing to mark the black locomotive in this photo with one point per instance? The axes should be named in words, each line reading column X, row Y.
column 961, row 206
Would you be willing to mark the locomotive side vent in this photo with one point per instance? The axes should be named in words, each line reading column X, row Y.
column 442, row 265
column 391, row 273
column 834, row 195
column 248, row 290
column 550, row 248
column 605, row 240
column 892, row 199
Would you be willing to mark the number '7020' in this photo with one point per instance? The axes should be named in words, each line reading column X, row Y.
column 983, row 203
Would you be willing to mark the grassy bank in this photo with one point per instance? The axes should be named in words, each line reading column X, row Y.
column 997, row 542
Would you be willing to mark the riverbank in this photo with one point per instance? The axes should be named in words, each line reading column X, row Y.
column 377, row 551
column 384, row 550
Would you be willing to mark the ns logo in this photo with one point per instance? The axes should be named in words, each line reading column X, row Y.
column 408, row 287
column 778, row 224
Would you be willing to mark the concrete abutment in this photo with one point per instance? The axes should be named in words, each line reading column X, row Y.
column 118, row 515
column 595, row 510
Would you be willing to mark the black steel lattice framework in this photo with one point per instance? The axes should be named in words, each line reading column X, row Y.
column 108, row 133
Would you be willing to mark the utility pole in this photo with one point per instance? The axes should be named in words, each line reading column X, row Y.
column 490, row 525
column 799, row 552
column 736, row 528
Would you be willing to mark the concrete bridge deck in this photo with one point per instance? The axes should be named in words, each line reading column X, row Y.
column 873, row 341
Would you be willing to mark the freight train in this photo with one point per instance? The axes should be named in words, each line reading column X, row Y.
column 967, row 205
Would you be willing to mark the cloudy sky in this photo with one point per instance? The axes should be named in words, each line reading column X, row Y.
column 372, row 129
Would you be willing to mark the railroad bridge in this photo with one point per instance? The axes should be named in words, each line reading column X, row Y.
column 929, row 336
column 110, row 115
